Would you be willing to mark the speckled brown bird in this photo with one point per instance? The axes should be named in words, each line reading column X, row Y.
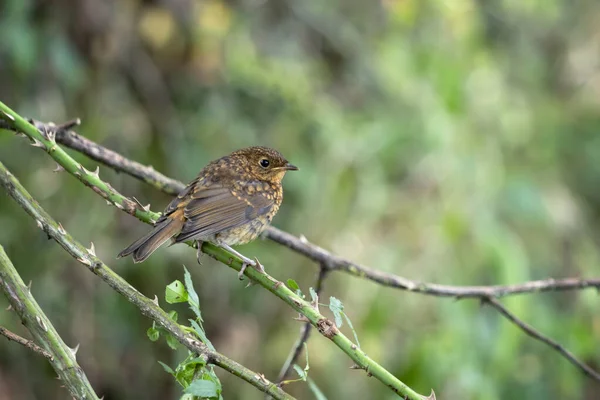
column 231, row 202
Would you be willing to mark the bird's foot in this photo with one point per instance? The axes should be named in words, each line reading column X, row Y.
column 252, row 263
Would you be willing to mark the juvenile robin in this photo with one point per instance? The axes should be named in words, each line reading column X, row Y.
column 231, row 202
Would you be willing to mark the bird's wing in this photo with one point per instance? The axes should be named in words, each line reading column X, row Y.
column 214, row 208
column 179, row 201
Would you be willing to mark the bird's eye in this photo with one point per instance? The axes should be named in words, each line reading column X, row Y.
column 264, row 163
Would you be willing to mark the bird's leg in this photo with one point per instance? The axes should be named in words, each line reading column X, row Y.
column 245, row 261
column 199, row 251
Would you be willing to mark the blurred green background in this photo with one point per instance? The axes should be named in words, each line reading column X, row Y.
column 448, row 141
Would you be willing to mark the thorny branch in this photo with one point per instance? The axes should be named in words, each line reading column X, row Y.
column 61, row 357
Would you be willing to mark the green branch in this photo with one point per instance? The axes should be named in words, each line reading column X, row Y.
column 147, row 306
column 326, row 327
column 62, row 357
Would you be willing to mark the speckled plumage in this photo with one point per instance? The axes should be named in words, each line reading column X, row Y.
column 231, row 202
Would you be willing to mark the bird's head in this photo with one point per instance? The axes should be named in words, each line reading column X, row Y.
column 264, row 163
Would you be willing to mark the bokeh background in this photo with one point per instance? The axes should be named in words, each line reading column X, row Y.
column 447, row 141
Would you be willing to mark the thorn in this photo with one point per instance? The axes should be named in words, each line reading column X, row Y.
column 41, row 323
column 146, row 207
column 8, row 116
column 303, row 239
column 83, row 170
column 74, row 350
column 155, row 300
column 301, row 318
column 250, row 283
column 57, row 378
column 353, row 346
column 39, row 224
column 61, row 230
column 92, row 249
column 8, row 308
column 37, row 143
column 96, row 172
column 120, row 207
column 262, row 378
column 50, row 134
column 84, row 261
column 20, row 134
column 355, row 366
column 29, row 287
column 108, row 202
column 58, row 168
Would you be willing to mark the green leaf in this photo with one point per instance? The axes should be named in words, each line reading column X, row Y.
column 313, row 295
column 197, row 361
column 153, row 334
column 200, row 331
column 172, row 342
column 337, row 308
column 168, row 369
column 173, row 315
column 293, row 285
column 315, row 390
column 202, row 388
column 300, row 372
column 176, row 293
column 193, row 296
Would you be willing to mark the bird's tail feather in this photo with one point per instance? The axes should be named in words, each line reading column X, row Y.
column 146, row 245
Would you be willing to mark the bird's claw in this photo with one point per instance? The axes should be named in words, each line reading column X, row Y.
column 252, row 263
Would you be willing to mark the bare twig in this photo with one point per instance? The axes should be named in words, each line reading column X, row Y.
column 304, row 332
column 25, row 342
column 529, row 330
column 332, row 262
column 336, row 263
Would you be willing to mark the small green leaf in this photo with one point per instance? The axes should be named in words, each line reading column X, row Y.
column 172, row 342
column 173, row 315
column 176, row 293
column 336, row 308
column 313, row 295
column 202, row 388
column 168, row 369
column 196, row 361
column 200, row 331
column 192, row 295
column 293, row 285
column 300, row 372
column 153, row 334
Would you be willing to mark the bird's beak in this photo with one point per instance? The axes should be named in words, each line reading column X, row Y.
column 290, row 167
